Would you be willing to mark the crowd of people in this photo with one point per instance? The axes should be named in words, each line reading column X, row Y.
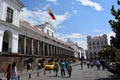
column 63, row 65
column 97, row 63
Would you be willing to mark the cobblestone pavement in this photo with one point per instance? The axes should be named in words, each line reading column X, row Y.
column 77, row 74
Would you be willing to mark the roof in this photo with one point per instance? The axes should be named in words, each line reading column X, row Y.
column 46, row 24
column 19, row 3
column 33, row 28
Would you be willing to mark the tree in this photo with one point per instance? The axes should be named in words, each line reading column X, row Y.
column 115, row 25
column 107, row 53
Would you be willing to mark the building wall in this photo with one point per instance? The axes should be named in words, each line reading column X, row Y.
column 13, row 38
column 48, row 31
column 3, row 11
column 19, row 42
column 95, row 44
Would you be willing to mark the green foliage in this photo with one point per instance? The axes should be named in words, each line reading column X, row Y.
column 115, row 25
column 110, row 52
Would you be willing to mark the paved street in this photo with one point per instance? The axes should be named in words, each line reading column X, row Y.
column 77, row 74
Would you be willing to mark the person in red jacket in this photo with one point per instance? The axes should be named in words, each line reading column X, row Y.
column 8, row 72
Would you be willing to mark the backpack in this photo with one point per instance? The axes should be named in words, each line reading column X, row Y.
column 69, row 67
column 56, row 66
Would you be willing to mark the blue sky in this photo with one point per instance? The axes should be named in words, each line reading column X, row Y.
column 75, row 19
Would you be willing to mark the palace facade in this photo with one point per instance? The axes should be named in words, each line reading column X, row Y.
column 20, row 40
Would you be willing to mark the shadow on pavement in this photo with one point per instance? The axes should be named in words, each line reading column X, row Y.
column 59, row 76
column 53, row 76
column 111, row 77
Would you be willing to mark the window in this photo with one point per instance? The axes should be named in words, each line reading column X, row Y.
column 90, row 47
column 97, row 43
column 101, row 42
column 52, row 33
column 47, row 31
column 9, row 16
column 89, row 43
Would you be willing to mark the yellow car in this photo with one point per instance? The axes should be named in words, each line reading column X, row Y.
column 49, row 66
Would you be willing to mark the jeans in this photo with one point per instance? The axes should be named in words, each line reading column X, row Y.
column 14, row 78
column 62, row 72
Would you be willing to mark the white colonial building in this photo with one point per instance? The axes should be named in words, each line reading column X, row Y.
column 95, row 44
column 20, row 40
column 78, row 51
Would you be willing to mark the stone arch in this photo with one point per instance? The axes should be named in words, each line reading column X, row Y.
column 7, row 41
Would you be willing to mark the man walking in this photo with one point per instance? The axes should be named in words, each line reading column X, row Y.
column 62, row 66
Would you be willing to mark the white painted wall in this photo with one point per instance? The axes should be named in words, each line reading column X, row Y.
column 50, row 30
column 3, row 10
column 13, row 40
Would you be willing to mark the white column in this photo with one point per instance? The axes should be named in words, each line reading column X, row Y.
column 48, row 50
column 24, row 44
column 31, row 46
column 43, row 51
column 51, row 50
column 54, row 51
column 1, row 41
column 38, row 47
column 14, row 43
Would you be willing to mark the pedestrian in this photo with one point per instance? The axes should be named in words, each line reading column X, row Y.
column 91, row 63
column 69, row 68
column 88, row 63
column 14, row 74
column 98, row 64
column 62, row 66
column 30, row 65
column 8, row 72
column 56, row 67
column 39, row 65
column 81, row 65
column 102, row 62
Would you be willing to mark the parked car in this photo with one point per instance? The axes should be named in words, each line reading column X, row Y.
column 49, row 66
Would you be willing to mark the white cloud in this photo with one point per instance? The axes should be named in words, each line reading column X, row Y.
column 97, row 6
column 60, row 19
column 73, row 3
column 55, row 2
column 39, row 16
column 96, row 30
column 75, row 12
column 75, row 37
column 109, row 36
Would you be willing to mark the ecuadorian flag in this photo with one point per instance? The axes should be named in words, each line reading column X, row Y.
column 51, row 14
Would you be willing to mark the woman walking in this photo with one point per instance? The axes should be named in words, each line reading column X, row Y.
column 56, row 67
column 8, row 72
column 14, row 74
